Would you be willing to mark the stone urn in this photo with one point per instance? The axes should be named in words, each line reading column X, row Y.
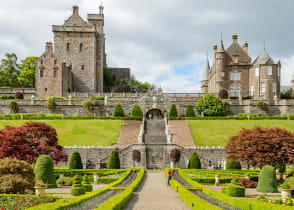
column 286, row 193
column 95, row 178
column 217, row 179
column 40, row 191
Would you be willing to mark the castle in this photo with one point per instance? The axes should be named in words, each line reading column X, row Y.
column 77, row 62
column 232, row 71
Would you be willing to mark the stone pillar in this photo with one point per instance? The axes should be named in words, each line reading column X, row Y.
column 69, row 100
column 95, row 178
column 105, row 101
column 32, row 100
column 217, row 180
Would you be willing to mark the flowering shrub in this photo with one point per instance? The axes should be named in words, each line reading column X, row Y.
column 17, row 202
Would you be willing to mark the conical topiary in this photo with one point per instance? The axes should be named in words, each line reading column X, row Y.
column 86, row 184
column 190, row 111
column 119, row 112
column 75, row 161
column 113, row 161
column 194, row 161
column 232, row 165
column 44, row 171
column 173, row 111
column 77, row 188
column 267, row 181
column 136, row 111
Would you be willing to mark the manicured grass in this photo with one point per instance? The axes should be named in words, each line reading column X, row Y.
column 217, row 132
column 80, row 132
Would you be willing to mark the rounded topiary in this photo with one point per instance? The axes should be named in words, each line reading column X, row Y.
column 289, row 182
column 119, row 112
column 86, row 184
column 88, row 106
column 267, row 181
column 235, row 190
column 194, row 161
column 190, row 111
column 136, row 155
column 65, row 181
column 136, row 111
column 16, row 176
column 261, row 105
column 210, row 105
column 77, row 188
column 173, row 111
column 113, row 161
column 44, row 171
column 175, row 155
column 232, row 165
column 75, row 161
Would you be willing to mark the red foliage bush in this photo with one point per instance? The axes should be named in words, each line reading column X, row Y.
column 247, row 183
column 30, row 141
column 175, row 155
column 18, row 95
column 136, row 155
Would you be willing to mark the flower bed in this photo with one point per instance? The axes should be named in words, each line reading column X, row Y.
column 17, row 202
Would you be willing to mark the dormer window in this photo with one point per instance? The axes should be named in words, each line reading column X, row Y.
column 81, row 47
column 269, row 70
column 235, row 59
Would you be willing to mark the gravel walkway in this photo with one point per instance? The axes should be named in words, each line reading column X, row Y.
column 153, row 193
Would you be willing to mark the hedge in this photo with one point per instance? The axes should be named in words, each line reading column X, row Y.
column 235, row 190
column 101, row 172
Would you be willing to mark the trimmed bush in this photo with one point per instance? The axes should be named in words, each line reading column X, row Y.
column 44, row 171
column 194, row 161
column 233, row 165
column 86, row 184
column 88, row 106
column 18, row 95
column 75, row 161
column 113, row 161
column 7, row 97
column 77, row 188
column 175, row 155
column 119, row 112
column 173, row 111
column 267, row 181
column 290, row 182
column 13, row 106
column 16, row 176
column 190, row 111
column 65, row 181
column 50, row 104
column 210, row 105
column 136, row 155
column 235, row 190
column 261, row 105
column 136, row 111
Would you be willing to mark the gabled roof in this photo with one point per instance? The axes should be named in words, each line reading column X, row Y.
column 263, row 58
column 206, row 71
column 236, row 50
column 75, row 20
column 220, row 48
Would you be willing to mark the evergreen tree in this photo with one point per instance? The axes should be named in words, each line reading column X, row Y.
column 173, row 111
column 233, row 165
column 267, row 181
column 190, row 111
column 75, row 161
column 44, row 171
column 194, row 161
column 119, row 112
column 136, row 111
column 113, row 161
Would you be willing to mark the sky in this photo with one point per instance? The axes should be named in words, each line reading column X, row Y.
column 163, row 42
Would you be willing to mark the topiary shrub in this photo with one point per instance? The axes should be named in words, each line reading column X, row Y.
column 18, row 95
column 136, row 111
column 13, row 106
column 65, row 181
column 267, row 181
column 223, row 94
column 113, row 161
column 210, row 105
column 50, row 104
column 44, row 171
column 289, row 182
column 235, row 190
column 75, row 161
column 88, row 106
column 261, row 105
column 119, row 112
column 77, row 188
column 86, row 184
column 233, row 165
column 16, row 176
column 190, row 111
column 173, row 111
column 194, row 161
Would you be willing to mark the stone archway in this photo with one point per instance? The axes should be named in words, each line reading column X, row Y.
column 154, row 114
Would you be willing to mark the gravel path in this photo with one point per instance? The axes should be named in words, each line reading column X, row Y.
column 154, row 194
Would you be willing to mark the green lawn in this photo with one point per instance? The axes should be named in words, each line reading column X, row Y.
column 80, row 132
column 217, row 132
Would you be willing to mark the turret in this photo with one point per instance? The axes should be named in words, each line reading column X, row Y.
column 205, row 76
column 49, row 48
column 235, row 37
column 97, row 19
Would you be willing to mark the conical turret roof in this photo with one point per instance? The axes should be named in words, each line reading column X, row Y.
column 220, row 48
column 206, row 71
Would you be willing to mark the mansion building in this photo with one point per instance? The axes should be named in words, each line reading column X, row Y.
column 233, row 70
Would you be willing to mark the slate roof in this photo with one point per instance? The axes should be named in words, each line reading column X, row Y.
column 263, row 58
column 206, row 71
column 221, row 48
column 236, row 50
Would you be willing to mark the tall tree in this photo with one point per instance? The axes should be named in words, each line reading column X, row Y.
column 262, row 146
column 9, row 71
column 26, row 77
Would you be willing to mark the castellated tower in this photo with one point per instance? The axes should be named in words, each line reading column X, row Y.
column 219, row 67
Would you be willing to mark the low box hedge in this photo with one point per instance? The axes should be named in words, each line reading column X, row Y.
column 235, row 190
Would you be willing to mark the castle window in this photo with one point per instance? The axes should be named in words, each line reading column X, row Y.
column 235, row 76
column 223, row 74
column 269, row 70
column 41, row 73
column 67, row 47
column 82, row 67
column 219, row 61
column 235, row 59
column 262, row 87
column 262, row 97
column 251, row 90
column 274, row 87
column 257, row 71
column 55, row 62
column 234, row 90
column 81, row 47
column 41, row 62
column 55, row 74
column 278, row 71
column 46, row 89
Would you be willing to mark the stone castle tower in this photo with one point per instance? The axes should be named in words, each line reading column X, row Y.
column 77, row 60
column 233, row 71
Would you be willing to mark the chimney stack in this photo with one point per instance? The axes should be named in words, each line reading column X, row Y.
column 75, row 10
column 101, row 8
column 49, row 47
column 245, row 47
column 235, row 37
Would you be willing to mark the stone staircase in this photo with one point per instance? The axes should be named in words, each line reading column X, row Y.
column 155, row 132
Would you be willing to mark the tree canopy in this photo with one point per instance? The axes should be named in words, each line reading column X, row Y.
column 26, row 77
column 262, row 146
column 210, row 105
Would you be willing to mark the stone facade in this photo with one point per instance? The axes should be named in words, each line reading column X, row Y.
column 233, row 71
column 76, row 64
